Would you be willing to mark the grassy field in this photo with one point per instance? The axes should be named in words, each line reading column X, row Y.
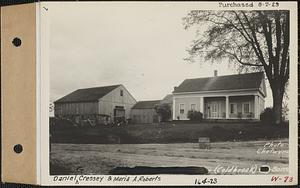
column 178, row 132
column 101, row 158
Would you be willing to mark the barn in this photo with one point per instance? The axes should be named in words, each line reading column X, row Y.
column 98, row 105
column 144, row 112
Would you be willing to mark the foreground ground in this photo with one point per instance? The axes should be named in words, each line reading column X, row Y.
column 101, row 158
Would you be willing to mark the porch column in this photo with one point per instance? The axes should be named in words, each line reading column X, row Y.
column 202, row 105
column 174, row 115
column 227, row 107
column 256, row 107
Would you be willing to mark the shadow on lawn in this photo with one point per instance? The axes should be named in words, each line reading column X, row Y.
column 166, row 133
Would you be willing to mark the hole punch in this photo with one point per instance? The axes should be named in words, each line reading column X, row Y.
column 17, row 42
column 18, row 148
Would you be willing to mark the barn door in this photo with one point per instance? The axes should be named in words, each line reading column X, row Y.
column 119, row 114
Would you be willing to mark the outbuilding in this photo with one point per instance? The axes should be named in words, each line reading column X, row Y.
column 144, row 112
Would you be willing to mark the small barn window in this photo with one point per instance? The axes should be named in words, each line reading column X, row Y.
column 121, row 92
column 181, row 108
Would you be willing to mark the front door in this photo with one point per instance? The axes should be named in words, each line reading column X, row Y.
column 214, row 110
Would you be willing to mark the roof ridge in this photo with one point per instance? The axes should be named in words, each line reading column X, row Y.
column 226, row 82
column 88, row 94
column 99, row 87
column 224, row 75
column 146, row 104
column 148, row 100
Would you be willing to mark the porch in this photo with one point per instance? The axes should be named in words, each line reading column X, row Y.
column 231, row 107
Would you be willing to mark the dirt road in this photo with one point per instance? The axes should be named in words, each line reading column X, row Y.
column 244, row 157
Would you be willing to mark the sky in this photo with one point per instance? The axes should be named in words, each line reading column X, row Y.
column 139, row 45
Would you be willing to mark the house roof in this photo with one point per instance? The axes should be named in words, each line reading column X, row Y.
column 87, row 94
column 146, row 104
column 167, row 99
column 229, row 82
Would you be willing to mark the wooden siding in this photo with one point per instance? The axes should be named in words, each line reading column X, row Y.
column 144, row 116
column 262, row 87
column 107, row 104
column 76, row 108
column 187, row 106
column 261, row 103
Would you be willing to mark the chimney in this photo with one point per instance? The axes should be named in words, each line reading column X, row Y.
column 215, row 73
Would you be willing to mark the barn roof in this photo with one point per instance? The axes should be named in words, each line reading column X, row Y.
column 87, row 94
column 146, row 104
column 229, row 82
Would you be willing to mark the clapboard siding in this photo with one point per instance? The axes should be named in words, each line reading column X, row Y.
column 144, row 116
column 100, row 109
column 76, row 108
column 107, row 104
column 186, row 103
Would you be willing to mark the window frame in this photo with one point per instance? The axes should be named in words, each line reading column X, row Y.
column 235, row 108
column 193, row 104
column 243, row 108
column 182, row 104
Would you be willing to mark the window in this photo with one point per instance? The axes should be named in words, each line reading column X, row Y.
column 121, row 93
column 181, row 108
column 233, row 108
column 246, row 108
column 193, row 107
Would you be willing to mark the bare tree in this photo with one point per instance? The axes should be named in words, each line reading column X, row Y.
column 253, row 40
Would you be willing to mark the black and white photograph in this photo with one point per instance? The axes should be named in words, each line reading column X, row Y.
column 168, row 88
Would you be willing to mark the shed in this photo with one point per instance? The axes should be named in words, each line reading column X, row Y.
column 144, row 112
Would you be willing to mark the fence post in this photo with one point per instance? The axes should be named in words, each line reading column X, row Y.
column 204, row 142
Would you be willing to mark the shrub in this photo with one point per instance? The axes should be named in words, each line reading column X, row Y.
column 195, row 115
column 267, row 117
column 164, row 111
column 60, row 124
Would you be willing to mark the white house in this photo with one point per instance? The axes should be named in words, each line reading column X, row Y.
column 240, row 96
column 100, row 104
